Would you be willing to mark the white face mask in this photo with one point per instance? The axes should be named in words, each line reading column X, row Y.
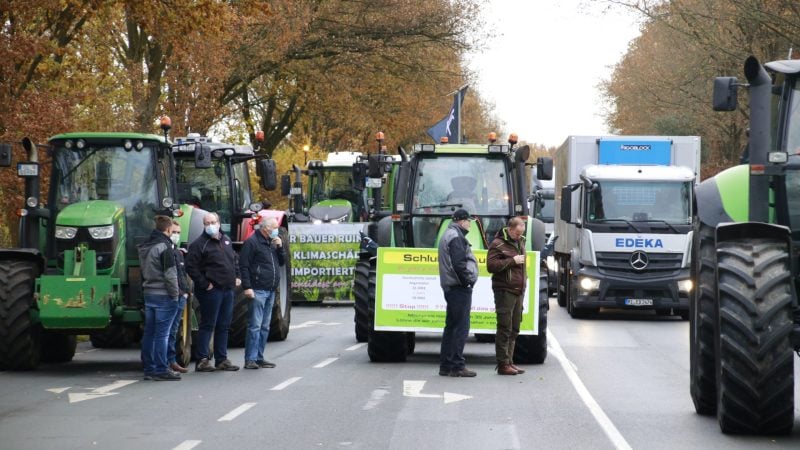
column 175, row 238
column 212, row 229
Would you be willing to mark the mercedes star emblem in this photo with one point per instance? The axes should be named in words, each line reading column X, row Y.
column 639, row 260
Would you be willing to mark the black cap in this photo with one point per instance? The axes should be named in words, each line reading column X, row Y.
column 461, row 214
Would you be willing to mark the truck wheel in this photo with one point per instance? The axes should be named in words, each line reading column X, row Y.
column 703, row 321
column 282, row 309
column 382, row 346
column 755, row 374
column 19, row 335
column 529, row 348
column 58, row 347
column 239, row 319
column 485, row 338
column 561, row 285
column 183, row 339
column 113, row 336
column 363, row 289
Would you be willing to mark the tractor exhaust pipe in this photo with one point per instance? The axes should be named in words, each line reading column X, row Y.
column 29, row 222
column 759, row 141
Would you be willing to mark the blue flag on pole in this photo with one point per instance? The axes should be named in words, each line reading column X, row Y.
column 450, row 126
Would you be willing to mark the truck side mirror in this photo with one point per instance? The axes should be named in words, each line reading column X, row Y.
column 566, row 204
column 725, row 94
column 544, row 168
column 5, row 155
column 202, row 156
column 286, row 184
column 269, row 177
column 359, row 176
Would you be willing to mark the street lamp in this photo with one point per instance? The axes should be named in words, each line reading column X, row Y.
column 306, row 148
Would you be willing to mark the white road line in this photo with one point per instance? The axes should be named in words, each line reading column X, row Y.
column 325, row 363
column 602, row 419
column 187, row 445
column 236, row 412
column 285, row 384
column 355, row 347
column 375, row 399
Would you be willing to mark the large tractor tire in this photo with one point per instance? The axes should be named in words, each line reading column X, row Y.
column 703, row 321
column 58, row 347
column 755, row 374
column 113, row 336
column 382, row 346
column 282, row 309
column 19, row 335
column 561, row 284
column 183, row 339
column 530, row 348
column 238, row 331
column 363, row 290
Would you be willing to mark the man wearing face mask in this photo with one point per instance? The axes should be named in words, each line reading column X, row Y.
column 183, row 287
column 260, row 258
column 213, row 266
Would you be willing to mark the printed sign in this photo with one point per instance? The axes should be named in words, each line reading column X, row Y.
column 323, row 259
column 408, row 296
column 635, row 152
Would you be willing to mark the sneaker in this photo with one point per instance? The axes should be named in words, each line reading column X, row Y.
column 227, row 366
column 250, row 365
column 204, row 365
column 167, row 376
column 178, row 368
column 462, row 373
column 264, row 364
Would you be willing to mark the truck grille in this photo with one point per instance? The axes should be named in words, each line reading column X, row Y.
column 659, row 265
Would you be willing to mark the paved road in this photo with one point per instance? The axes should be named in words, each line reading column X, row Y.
column 616, row 381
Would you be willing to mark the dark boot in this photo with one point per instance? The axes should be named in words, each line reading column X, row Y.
column 505, row 369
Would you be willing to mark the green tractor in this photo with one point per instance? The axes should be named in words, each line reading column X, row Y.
column 77, row 271
column 426, row 188
column 744, row 314
column 215, row 176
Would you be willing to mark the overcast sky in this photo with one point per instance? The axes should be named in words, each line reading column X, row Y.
column 543, row 68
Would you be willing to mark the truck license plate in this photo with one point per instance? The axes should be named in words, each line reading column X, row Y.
column 639, row 301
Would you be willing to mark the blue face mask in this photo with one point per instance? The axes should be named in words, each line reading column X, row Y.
column 212, row 229
column 274, row 233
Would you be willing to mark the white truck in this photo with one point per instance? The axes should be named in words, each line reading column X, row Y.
column 624, row 222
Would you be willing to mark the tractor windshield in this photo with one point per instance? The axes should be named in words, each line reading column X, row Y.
column 640, row 201
column 545, row 207
column 477, row 184
column 205, row 188
column 793, row 121
column 332, row 183
column 127, row 177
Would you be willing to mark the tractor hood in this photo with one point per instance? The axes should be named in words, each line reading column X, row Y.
column 91, row 213
column 328, row 210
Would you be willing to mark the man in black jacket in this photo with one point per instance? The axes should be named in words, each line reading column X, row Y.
column 260, row 260
column 212, row 265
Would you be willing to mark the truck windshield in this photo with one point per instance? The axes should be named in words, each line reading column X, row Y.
column 475, row 183
column 640, row 201
column 127, row 177
column 205, row 188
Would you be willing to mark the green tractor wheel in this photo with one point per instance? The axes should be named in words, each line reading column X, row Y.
column 183, row 339
column 703, row 321
column 530, row 348
column 58, row 347
column 755, row 374
column 282, row 308
column 19, row 335
column 363, row 290
column 383, row 346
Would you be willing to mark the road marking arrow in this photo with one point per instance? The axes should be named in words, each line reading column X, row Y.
column 413, row 388
column 57, row 390
column 102, row 391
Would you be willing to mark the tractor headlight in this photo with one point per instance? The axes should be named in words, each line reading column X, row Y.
column 590, row 284
column 65, row 232
column 106, row 232
column 685, row 285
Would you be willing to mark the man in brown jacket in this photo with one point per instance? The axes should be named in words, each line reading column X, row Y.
column 506, row 263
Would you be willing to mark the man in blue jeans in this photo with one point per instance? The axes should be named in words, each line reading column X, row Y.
column 212, row 265
column 183, row 296
column 160, row 288
column 259, row 261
